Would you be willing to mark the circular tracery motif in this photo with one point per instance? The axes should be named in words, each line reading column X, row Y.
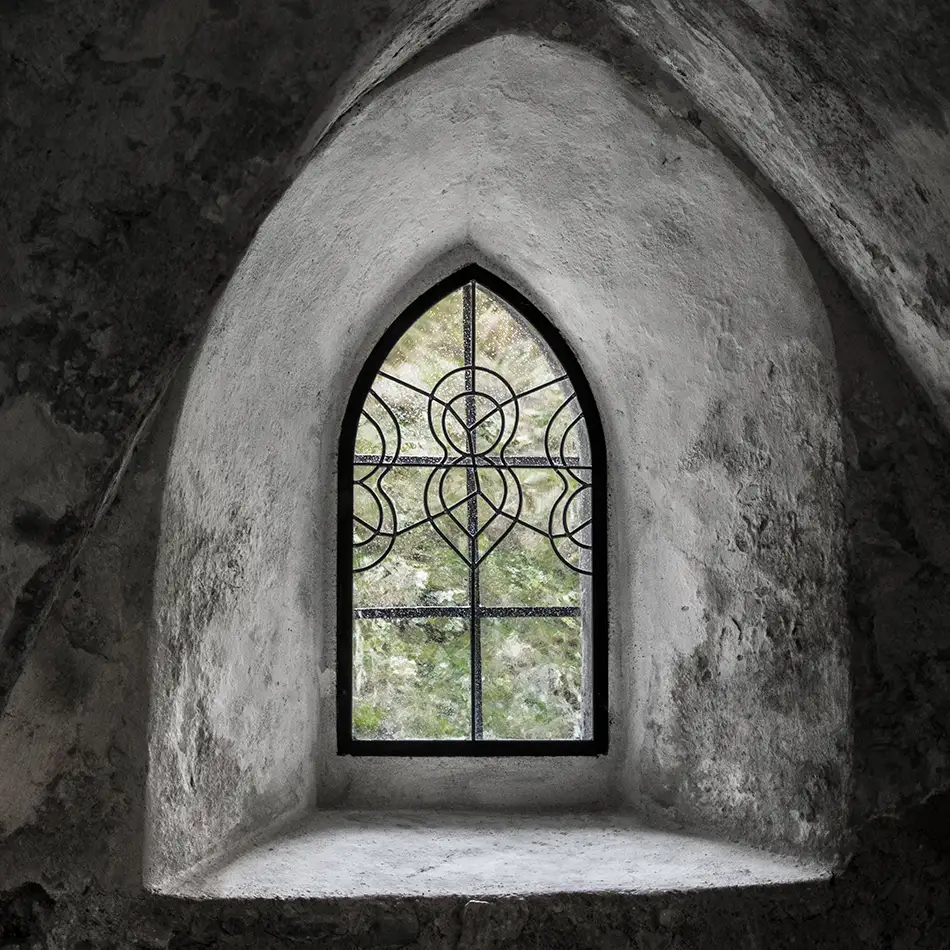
column 478, row 419
column 473, row 493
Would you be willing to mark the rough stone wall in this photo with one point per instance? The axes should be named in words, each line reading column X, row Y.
column 898, row 508
column 845, row 107
column 147, row 140
column 75, row 735
column 142, row 143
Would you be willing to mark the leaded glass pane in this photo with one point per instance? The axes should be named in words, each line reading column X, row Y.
column 472, row 535
column 531, row 675
column 412, row 679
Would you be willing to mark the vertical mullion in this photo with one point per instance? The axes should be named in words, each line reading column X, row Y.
column 471, row 480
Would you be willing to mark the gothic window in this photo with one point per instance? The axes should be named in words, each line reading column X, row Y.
column 472, row 593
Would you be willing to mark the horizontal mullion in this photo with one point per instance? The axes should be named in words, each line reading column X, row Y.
column 473, row 747
column 494, row 461
column 408, row 613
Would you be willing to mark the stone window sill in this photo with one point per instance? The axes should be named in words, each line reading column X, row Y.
column 430, row 854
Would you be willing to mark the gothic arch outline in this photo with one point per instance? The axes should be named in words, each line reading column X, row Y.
column 596, row 613
column 674, row 343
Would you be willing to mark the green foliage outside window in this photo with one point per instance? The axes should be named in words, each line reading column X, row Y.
column 412, row 676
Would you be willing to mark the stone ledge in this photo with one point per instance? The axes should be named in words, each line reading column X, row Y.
column 333, row 854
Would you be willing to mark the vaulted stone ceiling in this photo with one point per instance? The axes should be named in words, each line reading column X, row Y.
column 845, row 108
column 143, row 142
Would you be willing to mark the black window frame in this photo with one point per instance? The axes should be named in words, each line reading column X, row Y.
column 595, row 610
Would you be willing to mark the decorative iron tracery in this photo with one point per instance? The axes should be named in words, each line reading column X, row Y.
column 473, row 415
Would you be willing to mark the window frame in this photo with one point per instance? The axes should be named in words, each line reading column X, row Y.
column 595, row 612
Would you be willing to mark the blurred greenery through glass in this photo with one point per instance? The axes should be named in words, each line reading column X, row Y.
column 412, row 676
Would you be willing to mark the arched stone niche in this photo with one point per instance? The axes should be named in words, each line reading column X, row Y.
column 697, row 323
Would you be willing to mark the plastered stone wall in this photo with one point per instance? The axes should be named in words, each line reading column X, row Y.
column 706, row 344
column 148, row 140
column 72, row 806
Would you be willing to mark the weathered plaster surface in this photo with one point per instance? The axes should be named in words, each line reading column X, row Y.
column 73, row 801
column 141, row 146
column 845, row 107
column 708, row 349
column 233, row 672
column 344, row 853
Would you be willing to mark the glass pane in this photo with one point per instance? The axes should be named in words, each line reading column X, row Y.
column 377, row 434
column 565, row 439
column 419, row 571
column 447, row 496
column 525, row 569
column 393, row 500
column 509, row 346
column 410, row 408
column 411, row 679
column 373, row 518
column 531, row 678
column 499, row 500
column 431, row 348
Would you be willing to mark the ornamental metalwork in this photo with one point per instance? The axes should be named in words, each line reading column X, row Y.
column 474, row 492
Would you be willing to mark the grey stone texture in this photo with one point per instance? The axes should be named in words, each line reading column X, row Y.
column 144, row 144
column 335, row 852
column 711, row 355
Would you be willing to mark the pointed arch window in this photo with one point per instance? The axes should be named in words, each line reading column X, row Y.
column 472, row 574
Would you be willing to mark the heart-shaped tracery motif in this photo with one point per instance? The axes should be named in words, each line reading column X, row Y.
column 473, row 497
